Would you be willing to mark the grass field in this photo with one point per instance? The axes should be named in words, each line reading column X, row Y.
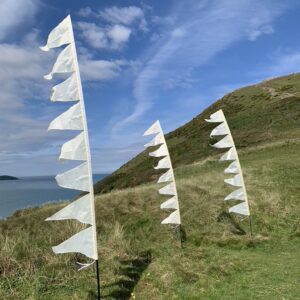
column 141, row 259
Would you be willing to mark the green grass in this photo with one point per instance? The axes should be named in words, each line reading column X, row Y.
column 261, row 114
column 141, row 259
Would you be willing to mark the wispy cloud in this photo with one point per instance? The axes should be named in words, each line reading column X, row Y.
column 201, row 31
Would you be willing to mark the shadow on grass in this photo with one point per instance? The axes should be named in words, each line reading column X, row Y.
column 227, row 217
column 131, row 270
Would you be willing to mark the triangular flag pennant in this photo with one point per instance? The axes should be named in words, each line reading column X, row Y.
column 74, row 149
column 220, row 130
column 76, row 179
column 64, row 63
column 234, row 167
column 168, row 176
column 241, row 208
column 161, row 151
column 79, row 209
column 173, row 218
column 66, row 91
column 70, row 119
column 164, row 163
column 226, row 142
column 82, row 242
column 236, row 195
column 217, row 117
column 60, row 35
column 80, row 177
column 170, row 204
column 153, row 129
column 158, row 139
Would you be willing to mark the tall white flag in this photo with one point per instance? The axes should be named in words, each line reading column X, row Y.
column 168, row 177
column 80, row 177
column 234, row 168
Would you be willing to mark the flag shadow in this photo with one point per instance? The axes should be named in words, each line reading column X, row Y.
column 131, row 270
column 227, row 217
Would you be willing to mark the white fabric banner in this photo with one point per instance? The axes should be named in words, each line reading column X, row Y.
column 224, row 143
column 169, row 189
column 219, row 130
column 164, row 163
column 159, row 139
column 59, row 36
column 170, row 204
column 66, row 91
column 79, row 209
column 216, row 117
column 64, row 63
column 235, row 181
column 229, row 155
column 236, row 195
column 173, row 218
column 70, row 119
column 74, row 149
column 81, row 242
column 168, row 176
column 153, row 129
column 241, row 209
column 76, row 178
column 233, row 168
column 161, row 151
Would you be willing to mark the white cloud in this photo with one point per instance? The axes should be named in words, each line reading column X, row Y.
column 85, row 12
column 122, row 15
column 110, row 37
column 14, row 13
column 199, row 34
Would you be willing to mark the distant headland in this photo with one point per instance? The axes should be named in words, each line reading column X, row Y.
column 7, row 177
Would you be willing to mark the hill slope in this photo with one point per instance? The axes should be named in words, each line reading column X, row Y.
column 140, row 258
column 264, row 113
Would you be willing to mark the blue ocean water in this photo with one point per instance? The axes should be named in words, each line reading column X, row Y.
column 33, row 191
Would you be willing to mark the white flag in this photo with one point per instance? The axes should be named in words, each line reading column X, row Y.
column 169, row 189
column 76, row 178
column 164, row 163
column 82, row 242
column 153, row 129
column 170, row 204
column 66, row 91
column 71, row 119
column 236, row 195
column 229, row 155
column 224, row 143
column 158, row 139
column 173, row 218
column 232, row 168
column 161, row 151
column 79, row 210
column 168, row 176
column 60, row 35
column 220, row 130
column 64, row 63
column 217, row 117
column 241, row 208
column 74, row 149
column 235, row 181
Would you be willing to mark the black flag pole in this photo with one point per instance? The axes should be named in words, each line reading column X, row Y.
column 98, row 279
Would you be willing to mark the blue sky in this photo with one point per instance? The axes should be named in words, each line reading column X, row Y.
column 140, row 61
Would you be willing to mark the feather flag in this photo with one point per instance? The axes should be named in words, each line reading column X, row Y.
column 168, row 177
column 80, row 177
column 234, row 168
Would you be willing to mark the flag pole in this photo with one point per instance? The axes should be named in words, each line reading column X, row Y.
column 98, row 279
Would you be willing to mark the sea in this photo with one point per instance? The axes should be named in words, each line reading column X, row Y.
column 33, row 191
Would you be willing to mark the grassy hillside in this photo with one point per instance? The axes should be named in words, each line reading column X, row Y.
column 140, row 259
column 259, row 114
